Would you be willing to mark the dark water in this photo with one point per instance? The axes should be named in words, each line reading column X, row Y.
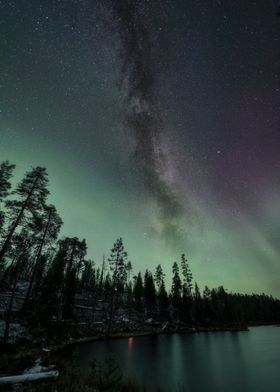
column 208, row 362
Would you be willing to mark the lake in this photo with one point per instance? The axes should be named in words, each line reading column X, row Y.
column 209, row 361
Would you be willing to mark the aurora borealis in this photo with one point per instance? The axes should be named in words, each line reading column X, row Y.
column 157, row 122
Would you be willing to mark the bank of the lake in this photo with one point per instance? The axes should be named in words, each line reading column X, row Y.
column 17, row 357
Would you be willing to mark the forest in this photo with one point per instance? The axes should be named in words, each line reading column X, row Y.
column 50, row 290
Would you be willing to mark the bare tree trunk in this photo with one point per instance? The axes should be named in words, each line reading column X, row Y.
column 37, row 260
column 112, row 301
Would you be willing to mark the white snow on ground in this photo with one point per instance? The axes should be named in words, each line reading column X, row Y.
column 37, row 368
column 28, row 377
column 36, row 372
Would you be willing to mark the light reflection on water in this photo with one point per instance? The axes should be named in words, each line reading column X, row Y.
column 208, row 362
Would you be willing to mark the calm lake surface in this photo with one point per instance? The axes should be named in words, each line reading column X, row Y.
column 208, row 362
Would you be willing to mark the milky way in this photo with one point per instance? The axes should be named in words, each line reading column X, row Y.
column 139, row 75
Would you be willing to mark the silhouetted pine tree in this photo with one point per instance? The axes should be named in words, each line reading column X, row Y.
column 187, row 300
column 117, row 262
column 138, row 292
column 176, row 290
column 163, row 301
column 31, row 194
column 149, row 293
column 159, row 276
column 198, row 306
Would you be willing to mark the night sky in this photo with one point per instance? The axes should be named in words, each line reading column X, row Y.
column 158, row 121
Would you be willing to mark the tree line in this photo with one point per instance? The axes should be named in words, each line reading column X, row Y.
column 54, row 272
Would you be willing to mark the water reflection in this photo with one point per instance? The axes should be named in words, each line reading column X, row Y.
column 220, row 361
column 130, row 345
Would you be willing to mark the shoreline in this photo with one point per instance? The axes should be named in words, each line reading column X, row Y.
column 26, row 356
column 143, row 333
column 138, row 334
column 14, row 361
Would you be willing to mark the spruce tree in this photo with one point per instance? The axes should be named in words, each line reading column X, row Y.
column 176, row 289
column 138, row 291
column 159, row 276
column 149, row 292
column 187, row 300
column 187, row 276
column 163, row 301
column 118, row 263
column 198, row 305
